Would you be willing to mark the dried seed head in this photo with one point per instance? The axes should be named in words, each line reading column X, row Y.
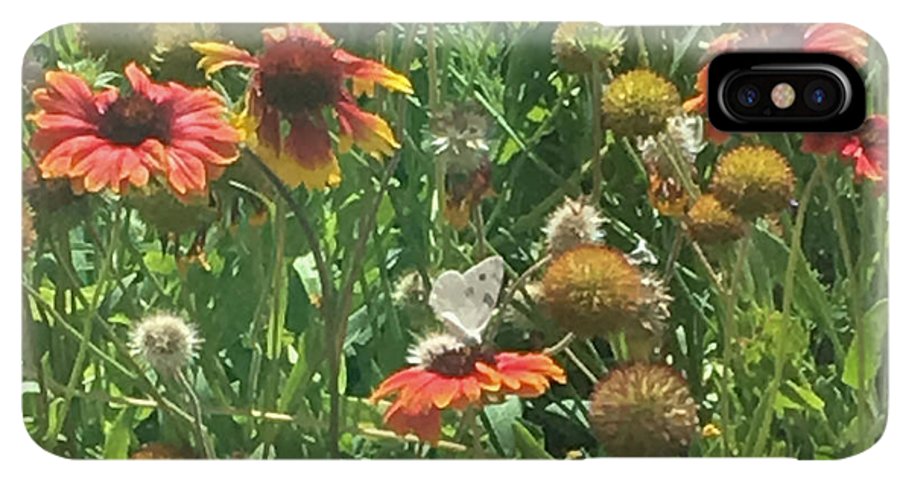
column 644, row 410
column 710, row 223
column 165, row 341
column 595, row 290
column 459, row 137
column 578, row 46
column 573, row 223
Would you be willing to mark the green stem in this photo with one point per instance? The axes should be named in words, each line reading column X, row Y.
column 759, row 430
column 88, row 327
column 855, row 310
column 203, row 440
column 729, row 334
column 599, row 136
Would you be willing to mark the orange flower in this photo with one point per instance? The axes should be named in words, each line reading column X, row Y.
column 300, row 77
column 110, row 140
column 866, row 147
column 453, row 375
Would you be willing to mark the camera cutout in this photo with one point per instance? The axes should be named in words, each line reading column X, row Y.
column 785, row 92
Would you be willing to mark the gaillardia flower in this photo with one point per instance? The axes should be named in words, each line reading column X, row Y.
column 753, row 180
column 709, row 222
column 578, row 46
column 300, row 79
column 593, row 290
column 112, row 140
column 167, row 342
column 866, row 147
column 571, row 224
column 639, row 102
column 643, row 410
column 450, row 374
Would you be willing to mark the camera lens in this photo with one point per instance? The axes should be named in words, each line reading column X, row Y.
column 748, row 96
column 820, row 95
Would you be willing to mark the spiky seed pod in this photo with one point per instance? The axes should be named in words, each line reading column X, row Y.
column 753, row 180
column 122, row 43
column 578, row 46
column 573, row 223
column 167, row 214
column 644, row 410
column 53, row 202
column 167, row 342
column 173, row 57
column 710, row 223
column 639, row 102
column 593, row 290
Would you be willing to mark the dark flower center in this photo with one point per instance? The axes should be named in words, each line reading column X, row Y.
column 132, row 119
column 298, row 76
column 461, row 361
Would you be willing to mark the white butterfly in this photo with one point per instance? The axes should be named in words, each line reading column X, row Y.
column 464, row 301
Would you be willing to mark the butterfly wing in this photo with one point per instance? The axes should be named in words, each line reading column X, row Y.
column 464, row 302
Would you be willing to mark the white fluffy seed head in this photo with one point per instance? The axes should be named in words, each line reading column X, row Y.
column 575, row 222
column 432, row 347
column 165, row 341
column 683, row 136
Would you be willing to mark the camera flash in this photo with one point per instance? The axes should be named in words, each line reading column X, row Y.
column 783, row 95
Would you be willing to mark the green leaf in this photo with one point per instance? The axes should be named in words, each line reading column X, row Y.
column 502, row 417
column 527, row 444
column 159, row 263
column 783, row 402
column 118, row 435
column 874, row 332
column 809, row 397
column 299, row 309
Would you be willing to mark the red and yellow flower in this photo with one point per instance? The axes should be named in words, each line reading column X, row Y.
column 866, row 147
column 112, row 140
column 450, row 374
column 300, row 78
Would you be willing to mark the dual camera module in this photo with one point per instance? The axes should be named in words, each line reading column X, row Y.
column 777, row 91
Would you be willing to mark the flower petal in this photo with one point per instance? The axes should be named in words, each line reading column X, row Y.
column 217, row 56
column 370, row 132
column 369, row 72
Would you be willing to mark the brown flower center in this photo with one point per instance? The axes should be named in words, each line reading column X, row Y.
column 132, row 119
column 299, row 76
column 461, row 361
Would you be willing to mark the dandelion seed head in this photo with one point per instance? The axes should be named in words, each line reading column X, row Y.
column 167, row 342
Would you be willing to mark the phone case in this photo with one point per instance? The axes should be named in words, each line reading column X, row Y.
column 484, row 240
